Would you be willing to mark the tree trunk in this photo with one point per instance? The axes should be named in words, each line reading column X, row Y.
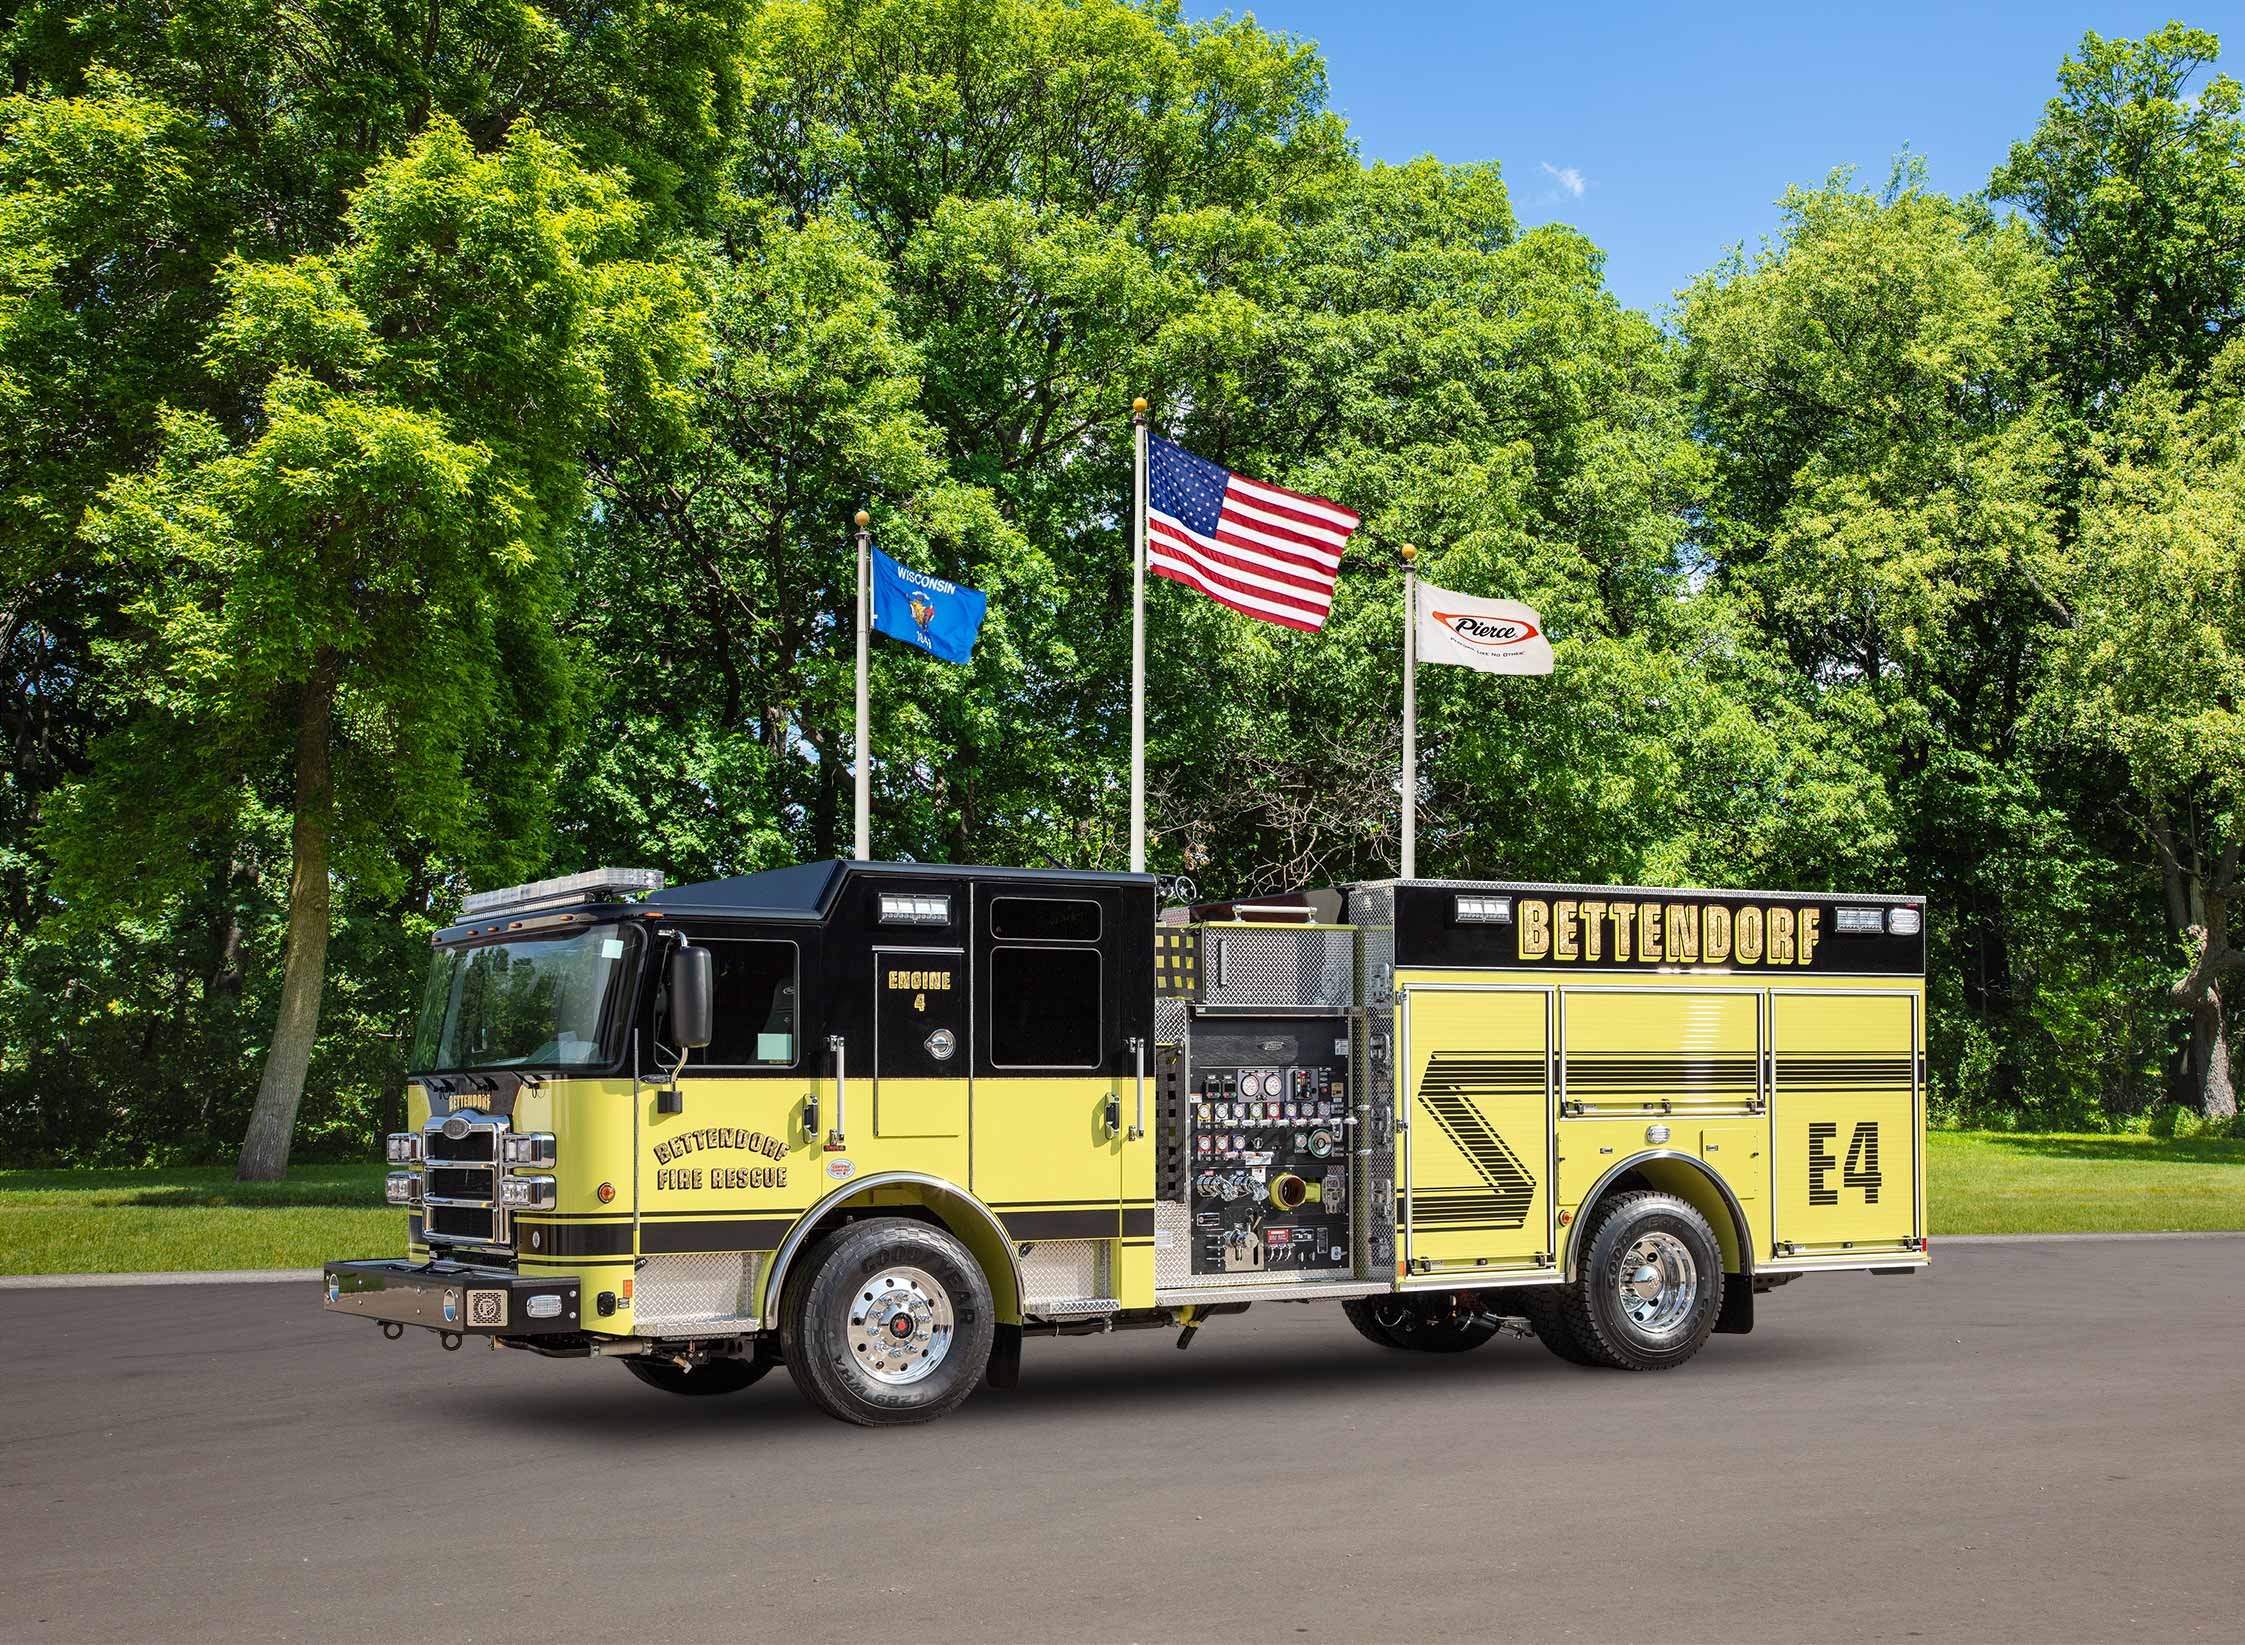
column 2217, row 1097
column 272, row 1123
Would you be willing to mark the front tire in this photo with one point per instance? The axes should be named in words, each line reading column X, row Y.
column 1650, row 1286
column 1441, row 1323
column 890, row 1321
column 711, row 1376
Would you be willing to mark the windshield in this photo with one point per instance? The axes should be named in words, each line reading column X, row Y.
column 544, row 1002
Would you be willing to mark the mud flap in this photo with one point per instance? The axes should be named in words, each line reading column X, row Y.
column 1737, row 1316
column 1005, row 1357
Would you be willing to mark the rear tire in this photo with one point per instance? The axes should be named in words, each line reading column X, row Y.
column 889, row 1321
column 1442, row 1323
column 1545, row 1310
column 711, row 1376
column 1650, row 1284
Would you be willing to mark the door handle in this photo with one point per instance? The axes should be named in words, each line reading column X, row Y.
column 1113, row 1116
column 834, row 1143
column 1138, row 1050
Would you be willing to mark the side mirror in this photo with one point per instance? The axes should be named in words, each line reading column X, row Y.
column 693, row 997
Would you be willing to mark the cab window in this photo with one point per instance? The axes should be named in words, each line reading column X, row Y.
column 756, row 999
column 1044, row 1007
column 1045, row 983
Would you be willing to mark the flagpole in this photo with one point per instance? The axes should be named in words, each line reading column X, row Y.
column 1410, row 712
column 1138, row 643
column 863, row 746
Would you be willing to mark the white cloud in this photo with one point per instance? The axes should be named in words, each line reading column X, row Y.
column 1569, row 178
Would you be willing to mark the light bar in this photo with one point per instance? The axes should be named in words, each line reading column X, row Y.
column 581, row 887
column 1472, row 910
column 1859, row 922
column 915, row 908
column 1904, row 922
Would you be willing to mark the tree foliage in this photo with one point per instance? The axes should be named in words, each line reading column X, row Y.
column 431, row 435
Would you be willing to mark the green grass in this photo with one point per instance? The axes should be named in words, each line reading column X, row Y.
column 112, row 1222
column 117, row 1222
column 1994, row 1182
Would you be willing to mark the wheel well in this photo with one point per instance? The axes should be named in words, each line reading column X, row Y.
column 1690, row 1181
column 925, row 1200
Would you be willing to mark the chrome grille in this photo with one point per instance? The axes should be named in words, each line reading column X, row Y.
column 471, row 1182
column 460, row 1185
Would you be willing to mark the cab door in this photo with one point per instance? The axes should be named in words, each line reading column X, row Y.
column 920, row 1061
column 1052, row 1106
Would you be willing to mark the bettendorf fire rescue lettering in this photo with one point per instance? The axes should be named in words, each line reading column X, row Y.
column 1675, row 933
column 734, row 1176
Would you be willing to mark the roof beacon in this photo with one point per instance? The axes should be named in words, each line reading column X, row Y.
column 592, row 885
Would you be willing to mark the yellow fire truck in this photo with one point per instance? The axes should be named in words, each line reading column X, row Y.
column 879, row 1122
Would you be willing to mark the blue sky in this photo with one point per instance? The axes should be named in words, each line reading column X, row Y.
column 1666, row 132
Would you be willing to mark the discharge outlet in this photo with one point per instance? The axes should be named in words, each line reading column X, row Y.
column 1290, row 1193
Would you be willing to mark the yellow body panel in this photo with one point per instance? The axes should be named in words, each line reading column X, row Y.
column 1043, row 1143
column 919, row 1108
column 1841, row 1056
column 1844, row 1103
column 1637, row 1049
column 1478, row 1147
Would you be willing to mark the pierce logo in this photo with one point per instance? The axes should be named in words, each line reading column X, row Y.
column 1487, row 633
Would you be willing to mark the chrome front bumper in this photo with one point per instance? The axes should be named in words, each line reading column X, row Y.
column 453, row 1297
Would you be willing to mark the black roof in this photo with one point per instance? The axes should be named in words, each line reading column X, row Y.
column 807, row 890
column 801, row 891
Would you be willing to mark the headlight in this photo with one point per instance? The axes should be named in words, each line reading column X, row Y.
column 529, row 1148
column 405, row 1147
column 403, row 1187
column 526, row 1193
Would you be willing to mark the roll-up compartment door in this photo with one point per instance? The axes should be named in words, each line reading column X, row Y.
column 1661, row 1050
column 1479, row 1145
column 1844, row 1120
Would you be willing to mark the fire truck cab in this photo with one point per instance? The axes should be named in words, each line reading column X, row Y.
column 878, row 1122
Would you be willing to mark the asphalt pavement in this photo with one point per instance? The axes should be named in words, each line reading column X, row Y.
column 2031, row 1442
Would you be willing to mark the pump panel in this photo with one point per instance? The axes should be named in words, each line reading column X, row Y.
column 1267, row 1154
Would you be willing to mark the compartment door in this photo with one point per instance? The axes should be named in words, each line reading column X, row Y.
column 1661, row 1050
column 1477, row 1155
column 1844, row 1119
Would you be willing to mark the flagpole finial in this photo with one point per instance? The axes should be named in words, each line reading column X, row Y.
column 1408, row 552
column 1138, row 407
column 863, row 519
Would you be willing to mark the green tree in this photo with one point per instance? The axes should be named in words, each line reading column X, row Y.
column 2137, row 185
column 1889, row 491
column 351, row 599
column 2151, row 668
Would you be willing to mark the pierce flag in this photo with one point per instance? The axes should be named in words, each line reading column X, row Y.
column 1494, row 636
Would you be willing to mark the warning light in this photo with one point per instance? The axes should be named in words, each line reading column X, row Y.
column 606, row 1192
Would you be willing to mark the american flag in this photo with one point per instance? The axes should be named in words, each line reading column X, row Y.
column 1257, row 548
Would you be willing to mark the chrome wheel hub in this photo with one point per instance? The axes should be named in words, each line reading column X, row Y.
column 900, row 1325
column 1657, row 1284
